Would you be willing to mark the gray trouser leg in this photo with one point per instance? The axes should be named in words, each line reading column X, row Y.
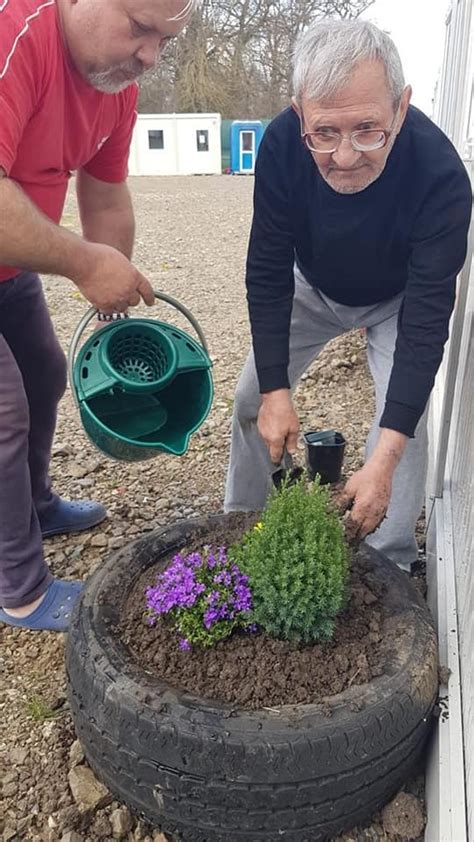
column 315, row 320
column 396, row 535
column 249, row 476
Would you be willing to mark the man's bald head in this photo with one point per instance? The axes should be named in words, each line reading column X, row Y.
column 113, row 42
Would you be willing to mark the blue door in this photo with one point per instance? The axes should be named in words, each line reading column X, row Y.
column 247, row 151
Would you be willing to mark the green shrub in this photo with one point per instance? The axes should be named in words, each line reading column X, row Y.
column 296, row 559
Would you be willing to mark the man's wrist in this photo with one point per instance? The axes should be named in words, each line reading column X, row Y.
column 77, row 257
column 389, row 448
column 275, row 394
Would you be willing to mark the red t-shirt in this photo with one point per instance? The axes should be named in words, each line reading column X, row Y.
column 52, row 122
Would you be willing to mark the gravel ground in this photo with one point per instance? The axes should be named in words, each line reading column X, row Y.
column 191, row 243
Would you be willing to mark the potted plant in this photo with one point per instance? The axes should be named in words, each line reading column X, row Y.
column 246, row 677
column 287, row 577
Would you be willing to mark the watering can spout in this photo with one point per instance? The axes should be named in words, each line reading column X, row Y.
column 180, row 446
column 142, row 387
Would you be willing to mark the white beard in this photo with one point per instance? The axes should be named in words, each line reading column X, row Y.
column 106, row 81
column 106, row 84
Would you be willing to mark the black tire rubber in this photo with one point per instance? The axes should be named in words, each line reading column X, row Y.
column 204, row 772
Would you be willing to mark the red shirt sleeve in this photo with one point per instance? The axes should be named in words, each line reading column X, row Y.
column 111, row 161
column 20, row 80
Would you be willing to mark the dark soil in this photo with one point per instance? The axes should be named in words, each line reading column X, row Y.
column 255, row 670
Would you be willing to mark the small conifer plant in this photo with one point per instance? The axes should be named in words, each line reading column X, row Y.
column 296, row 560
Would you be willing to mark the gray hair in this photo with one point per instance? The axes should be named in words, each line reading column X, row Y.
column 326, row 55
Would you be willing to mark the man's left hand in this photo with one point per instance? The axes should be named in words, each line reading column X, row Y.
column 369, row 490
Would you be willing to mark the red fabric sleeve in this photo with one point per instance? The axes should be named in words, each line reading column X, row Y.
column 20, row 77
column 111, row 162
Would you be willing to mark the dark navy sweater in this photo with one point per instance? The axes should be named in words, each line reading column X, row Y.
column 406, row 232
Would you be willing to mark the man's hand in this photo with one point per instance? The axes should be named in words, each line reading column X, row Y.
column 369, row 490
column 278, row 423
column 110, row 281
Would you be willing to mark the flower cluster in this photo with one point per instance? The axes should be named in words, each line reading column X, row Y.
column 206, row 595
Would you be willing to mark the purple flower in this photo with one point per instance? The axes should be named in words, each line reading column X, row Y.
column 223, row 578
column 210, row 617
column 211, row 561
column 242, row 598
column 194, row 560
column 205, row 589
column 177, row 586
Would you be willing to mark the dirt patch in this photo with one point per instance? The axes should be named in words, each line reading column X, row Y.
column 404, row 816
column 255, row 670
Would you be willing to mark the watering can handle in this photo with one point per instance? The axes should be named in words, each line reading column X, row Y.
column 92, row 312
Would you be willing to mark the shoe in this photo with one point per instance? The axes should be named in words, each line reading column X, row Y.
column 418, row 567
column 71, row 516
column 54, row 611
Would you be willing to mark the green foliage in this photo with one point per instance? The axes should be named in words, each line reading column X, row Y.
column 297, row 563
column 39, row 710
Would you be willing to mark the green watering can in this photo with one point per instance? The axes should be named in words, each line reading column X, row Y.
column 142, row 387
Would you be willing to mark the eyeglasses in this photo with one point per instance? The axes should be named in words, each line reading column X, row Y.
column 362, row 140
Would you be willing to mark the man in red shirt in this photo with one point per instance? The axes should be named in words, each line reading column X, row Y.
column 68, row 93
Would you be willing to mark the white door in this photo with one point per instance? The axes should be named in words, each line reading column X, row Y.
column 247, row 151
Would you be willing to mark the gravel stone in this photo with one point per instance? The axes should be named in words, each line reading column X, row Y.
column 121, row 821
column 99, row 541
column 76, row 754
column 88, row 792
column 404, row 816
column 18, row 755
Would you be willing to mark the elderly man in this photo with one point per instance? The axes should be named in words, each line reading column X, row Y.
column 361, row 212
column 68, row 103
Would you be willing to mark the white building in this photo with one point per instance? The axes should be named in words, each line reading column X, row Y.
column 176, row 144
column 450, row 491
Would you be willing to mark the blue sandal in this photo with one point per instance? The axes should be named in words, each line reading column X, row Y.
column 67, row 516
column 53, row 613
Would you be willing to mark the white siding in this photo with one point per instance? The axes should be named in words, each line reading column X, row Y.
column 450, row 500
column 462, row 495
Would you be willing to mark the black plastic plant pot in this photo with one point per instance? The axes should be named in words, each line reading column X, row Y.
column 325, row 455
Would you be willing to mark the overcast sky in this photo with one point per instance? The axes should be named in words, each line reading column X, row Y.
column 418, row 28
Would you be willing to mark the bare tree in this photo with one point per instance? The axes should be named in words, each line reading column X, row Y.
column 235, row 57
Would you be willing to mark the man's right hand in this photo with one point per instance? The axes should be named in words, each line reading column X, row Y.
column 278, row 423
column 110, row 281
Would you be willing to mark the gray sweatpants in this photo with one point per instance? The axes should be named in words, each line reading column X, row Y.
column 315, row 320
